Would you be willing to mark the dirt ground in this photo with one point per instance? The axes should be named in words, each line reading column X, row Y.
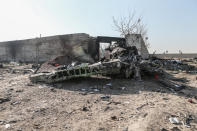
column 95, row 104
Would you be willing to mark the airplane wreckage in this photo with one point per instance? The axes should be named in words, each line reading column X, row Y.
column 124, row 62
column 121, row 60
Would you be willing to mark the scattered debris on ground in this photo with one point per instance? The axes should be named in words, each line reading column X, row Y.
column 122, row 92
column 98, row 102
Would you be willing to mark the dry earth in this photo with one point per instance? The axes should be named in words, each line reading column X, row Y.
column 92, row 104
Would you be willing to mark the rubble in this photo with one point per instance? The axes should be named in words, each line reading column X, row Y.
column 173, row 64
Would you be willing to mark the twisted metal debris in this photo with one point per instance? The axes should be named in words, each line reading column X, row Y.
column 123, row 62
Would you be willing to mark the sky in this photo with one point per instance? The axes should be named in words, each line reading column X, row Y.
column 171, row 24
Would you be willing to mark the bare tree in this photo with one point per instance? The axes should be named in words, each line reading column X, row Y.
column 131, row 25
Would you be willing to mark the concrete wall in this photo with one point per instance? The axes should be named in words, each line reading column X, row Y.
column 80, row 46
column 74, row 47
column 137, row 40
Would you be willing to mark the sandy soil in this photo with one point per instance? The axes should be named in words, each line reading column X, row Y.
column 95, row 104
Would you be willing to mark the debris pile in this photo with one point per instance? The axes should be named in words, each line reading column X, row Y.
column 119, row 61
column 174, row 65
column 124, row 62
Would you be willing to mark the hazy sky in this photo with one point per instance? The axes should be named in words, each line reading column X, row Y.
column 172, row 24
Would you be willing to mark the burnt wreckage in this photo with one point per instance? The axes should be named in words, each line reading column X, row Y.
column 119, row 60
column 123, row 61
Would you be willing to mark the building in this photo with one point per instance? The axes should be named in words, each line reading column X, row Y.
column 80, row 46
